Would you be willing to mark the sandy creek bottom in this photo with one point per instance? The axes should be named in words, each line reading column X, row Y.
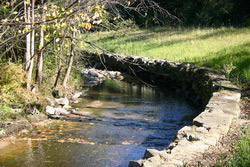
column 121, row 119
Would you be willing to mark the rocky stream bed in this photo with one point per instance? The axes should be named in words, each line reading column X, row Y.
column 108, row 125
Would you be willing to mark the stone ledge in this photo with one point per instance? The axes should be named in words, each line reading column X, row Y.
column 219, row 98
column 208, row 128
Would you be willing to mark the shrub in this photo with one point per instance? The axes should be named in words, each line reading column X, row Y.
column 6, row 112
column 12, row 79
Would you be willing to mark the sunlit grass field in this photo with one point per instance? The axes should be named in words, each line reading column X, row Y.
column 225, row 49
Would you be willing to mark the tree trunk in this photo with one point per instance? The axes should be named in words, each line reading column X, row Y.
column 58, row 76
column 69, row 66
column 59, row 68
column 28, row 41
column 39, row 67
column 32, row 42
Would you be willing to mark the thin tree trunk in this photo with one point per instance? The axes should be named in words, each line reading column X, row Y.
column 59, row 65
column 69, row 66
column 58, row 76
column 32, row 42
column 28, row 40
column 39, row 67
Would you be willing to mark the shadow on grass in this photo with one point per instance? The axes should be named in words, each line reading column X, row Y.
column 213, row 34
column 219, row 33
column 133, row 37
column 235, row 61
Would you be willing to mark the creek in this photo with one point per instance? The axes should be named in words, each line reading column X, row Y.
column 120, row 120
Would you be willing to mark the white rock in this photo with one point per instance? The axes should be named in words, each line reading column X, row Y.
column 202, row 130
column 50, row 101
column 93, row 73
column 120, row 77
column 73, row 111
column 33, row 90
column 50, row 110
column 2, row 133
column 62, row 101
column 61, row 111
column 77, row 95
column 56, row 111
column 76, row 101
column 67, row 107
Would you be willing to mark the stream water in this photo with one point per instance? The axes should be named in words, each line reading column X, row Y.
column 120, row 121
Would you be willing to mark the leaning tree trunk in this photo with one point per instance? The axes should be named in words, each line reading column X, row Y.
column 69, row 66
column 39, row 66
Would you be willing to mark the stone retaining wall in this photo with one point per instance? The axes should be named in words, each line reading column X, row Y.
column 204, row 87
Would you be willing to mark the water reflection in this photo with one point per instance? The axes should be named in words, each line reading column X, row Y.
column 121, row 120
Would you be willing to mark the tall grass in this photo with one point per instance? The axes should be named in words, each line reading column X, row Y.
column 225, row 49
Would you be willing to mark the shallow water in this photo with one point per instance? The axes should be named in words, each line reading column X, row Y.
column 121, row 120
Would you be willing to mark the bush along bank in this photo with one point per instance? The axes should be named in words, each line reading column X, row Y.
column 204, row 87
column 21, row 109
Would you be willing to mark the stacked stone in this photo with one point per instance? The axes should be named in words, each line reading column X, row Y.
column 204, row 87
column 191, row 80
column 94, row 77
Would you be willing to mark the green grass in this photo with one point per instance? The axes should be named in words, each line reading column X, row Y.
column 241, row 154
column 225, row 49
column 7, row 113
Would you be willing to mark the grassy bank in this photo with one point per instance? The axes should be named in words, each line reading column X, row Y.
column 241, row 153
column 223, row 49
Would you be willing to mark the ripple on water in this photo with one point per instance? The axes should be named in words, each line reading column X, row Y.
column 123, row 119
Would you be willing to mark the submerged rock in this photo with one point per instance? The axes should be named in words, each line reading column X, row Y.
column 95, row 104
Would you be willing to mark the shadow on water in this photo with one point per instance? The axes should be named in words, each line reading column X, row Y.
column 128, row 118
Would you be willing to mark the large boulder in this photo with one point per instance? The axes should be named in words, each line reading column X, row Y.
column 95, row 104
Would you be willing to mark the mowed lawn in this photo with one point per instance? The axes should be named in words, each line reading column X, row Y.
column 225, row 49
